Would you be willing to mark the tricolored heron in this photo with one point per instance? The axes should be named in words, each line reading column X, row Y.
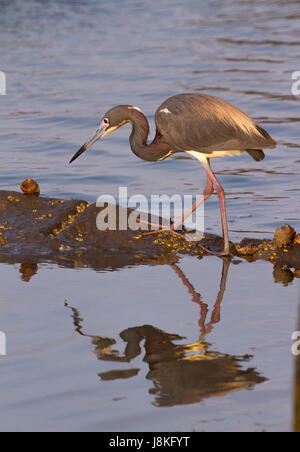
column 203, row 126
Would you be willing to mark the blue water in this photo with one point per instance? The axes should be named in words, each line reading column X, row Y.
column 66, row 63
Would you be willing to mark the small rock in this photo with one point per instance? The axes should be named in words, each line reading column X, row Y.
column 30, row 187
column 247, row 250
column 246, row 247
column 297, row 239
column 284, row 236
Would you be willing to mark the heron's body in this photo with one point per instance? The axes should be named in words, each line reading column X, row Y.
column 204, row 126
column 215, row 127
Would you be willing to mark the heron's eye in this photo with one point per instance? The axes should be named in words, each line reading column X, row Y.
column 106, row 121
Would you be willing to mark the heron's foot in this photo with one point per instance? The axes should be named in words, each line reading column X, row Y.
column 182, row 235
column 226, row 252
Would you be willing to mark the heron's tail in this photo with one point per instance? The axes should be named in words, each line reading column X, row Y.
column 256, row 154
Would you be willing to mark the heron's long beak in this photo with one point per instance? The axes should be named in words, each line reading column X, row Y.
column 99, row 134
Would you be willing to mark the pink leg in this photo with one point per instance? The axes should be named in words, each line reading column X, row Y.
column 211, row 181
column 221, row 195
column 206, row 194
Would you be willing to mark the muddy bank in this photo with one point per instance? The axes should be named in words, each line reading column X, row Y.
column 38, row 229
column 43, row 229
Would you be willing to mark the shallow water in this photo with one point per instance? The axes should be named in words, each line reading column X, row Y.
column 130, row 350
column 66, row 63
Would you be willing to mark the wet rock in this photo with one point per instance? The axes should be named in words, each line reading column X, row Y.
column 286, row 257
column 38, row 229
column 284, row 236
column 109, row 248
column 115, row 248
column 30, row 187
column 297, row 273
column 247, row 247
column 28, row 224
column 35, row 229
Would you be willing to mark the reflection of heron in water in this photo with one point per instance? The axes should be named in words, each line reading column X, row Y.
column 216, row 314
column 181, row 373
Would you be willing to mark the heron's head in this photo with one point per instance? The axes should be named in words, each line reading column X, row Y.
column 113, row 119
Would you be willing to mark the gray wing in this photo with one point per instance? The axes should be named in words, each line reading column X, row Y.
column 205, row 123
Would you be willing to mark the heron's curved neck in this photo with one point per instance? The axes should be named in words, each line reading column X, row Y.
column 156, row 151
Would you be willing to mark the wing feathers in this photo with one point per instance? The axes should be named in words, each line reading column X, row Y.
column 205, row 123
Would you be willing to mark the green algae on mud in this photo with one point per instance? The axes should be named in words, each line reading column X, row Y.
column 39, row 229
